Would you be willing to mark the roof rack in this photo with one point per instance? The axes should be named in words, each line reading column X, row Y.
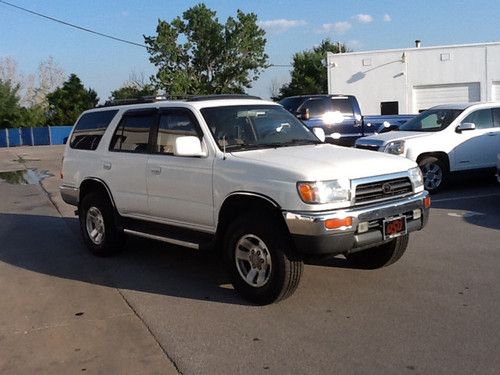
column 221, row 96
column 142, row 99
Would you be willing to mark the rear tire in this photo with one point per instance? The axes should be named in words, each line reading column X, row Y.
column 380, row 256
column 435, row 173
column 97, row 225
column 260, row 260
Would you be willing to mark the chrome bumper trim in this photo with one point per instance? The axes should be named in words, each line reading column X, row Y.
column 312, row 224
column 70, row 194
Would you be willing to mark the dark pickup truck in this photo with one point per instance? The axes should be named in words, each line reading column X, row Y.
column 340, row 117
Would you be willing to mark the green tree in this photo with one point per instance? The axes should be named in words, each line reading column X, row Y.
column 67, row 102
column 309, row 74
column 196, row 54
column 10, row 110
column 131, row 91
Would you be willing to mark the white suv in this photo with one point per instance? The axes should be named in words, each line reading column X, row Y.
column 244, row 176
column 446, row 138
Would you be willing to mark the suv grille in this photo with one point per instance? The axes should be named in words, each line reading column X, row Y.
column 385, row 189
column 368, row 147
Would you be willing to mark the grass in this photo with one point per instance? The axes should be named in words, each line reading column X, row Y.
column 15, row 177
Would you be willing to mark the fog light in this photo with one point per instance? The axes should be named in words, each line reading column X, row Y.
column 427, row 202
column 417, row 214
column 338, row 223
column 363, row 227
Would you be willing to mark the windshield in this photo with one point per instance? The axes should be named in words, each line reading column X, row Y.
column 245, row 127
column 432, row 120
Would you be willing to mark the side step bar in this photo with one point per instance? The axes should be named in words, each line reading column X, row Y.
column 173, row 241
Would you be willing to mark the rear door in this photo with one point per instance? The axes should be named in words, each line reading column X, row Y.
column 124, row 166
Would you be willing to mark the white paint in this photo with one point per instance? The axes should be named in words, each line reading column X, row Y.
column 394, row 74
column 465, row 214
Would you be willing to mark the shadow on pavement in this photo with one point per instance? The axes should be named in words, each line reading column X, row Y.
column 482, row 206
column 44, row 244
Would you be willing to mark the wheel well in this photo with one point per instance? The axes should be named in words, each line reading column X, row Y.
column 238, row 204
column 91, row 185
column 443, row 156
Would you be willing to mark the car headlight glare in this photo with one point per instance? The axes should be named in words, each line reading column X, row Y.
column 324, row 191
column 417, row 179
column 395, row 147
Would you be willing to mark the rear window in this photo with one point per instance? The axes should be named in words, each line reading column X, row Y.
column 90, row 129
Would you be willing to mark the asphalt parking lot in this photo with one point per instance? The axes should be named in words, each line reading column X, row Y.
column 163, row 309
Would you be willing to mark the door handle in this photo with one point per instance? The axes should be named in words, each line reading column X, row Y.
column 106, row 166
column 492, row 134
column 156, row 170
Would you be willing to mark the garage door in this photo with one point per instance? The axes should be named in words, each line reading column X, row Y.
column 428, row 96
column 495, row 92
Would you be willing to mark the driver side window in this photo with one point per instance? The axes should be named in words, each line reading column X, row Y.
column 483, row 119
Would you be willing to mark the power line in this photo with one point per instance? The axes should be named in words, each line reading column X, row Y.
column 72, row 25
column 97, row 32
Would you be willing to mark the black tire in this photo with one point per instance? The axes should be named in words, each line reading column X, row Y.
column 281, row 269
column 112, row 239
column 380, row 256
column 435, row 173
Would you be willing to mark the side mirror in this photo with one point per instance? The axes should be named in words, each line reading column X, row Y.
column 304, row 114
column 320, row 133
column 465, row 126
column 188, row 146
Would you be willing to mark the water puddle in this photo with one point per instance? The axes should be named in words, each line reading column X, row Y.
column 24, row 177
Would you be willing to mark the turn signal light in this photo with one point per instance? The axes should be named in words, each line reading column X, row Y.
column 427, row 202
column 338, row 223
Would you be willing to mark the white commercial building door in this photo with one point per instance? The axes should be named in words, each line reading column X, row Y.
column 495, row 91
column 425, row 97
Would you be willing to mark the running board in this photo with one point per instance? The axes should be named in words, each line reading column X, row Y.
column 172, row 241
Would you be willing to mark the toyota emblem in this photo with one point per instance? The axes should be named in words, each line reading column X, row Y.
column 387, row 188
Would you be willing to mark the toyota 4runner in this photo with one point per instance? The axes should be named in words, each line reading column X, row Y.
column 242, row 175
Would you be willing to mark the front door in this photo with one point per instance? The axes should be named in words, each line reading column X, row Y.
column 478, row 148
column 179, row 188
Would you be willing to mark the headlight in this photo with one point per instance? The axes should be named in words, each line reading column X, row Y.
column 417, row 179
column 324, row 191
column 395, row 147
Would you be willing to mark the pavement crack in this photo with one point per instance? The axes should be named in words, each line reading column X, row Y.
column 163, row 349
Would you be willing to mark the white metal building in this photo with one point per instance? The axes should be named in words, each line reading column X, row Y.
column 411, row 80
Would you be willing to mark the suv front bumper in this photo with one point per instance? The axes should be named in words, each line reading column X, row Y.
column 310, row 235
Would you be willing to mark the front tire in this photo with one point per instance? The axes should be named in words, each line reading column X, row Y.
column 260, row 259
column 97, row 225
column 380, row 256
column 434, row 172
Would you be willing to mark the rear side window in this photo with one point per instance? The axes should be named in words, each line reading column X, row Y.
column 343, row 105
column 132, row 135
column 90, row 129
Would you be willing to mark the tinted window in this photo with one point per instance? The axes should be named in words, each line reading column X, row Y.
column 343, row 105
column 173, row 125
column 90, row 128
column 292, row 104
column 496, row 117
column 132, row 135
column 483, row 119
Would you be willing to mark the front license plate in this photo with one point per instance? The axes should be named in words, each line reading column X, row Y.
column 394, row 227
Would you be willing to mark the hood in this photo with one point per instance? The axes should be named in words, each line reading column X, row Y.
column 384, row 138
column 326, row 161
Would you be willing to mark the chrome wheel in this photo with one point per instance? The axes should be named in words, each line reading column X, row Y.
column 95, row 225
column 433, row 176
column 253, row 260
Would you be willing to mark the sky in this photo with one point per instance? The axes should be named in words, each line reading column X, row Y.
column 291, row 26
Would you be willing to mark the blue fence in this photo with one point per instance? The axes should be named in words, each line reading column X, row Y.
column 48, row 135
